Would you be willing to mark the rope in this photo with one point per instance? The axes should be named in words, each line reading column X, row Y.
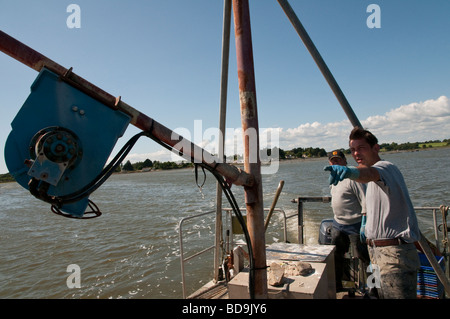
column 200, row 187
column 94, row 210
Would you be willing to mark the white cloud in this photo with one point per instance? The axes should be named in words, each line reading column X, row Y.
column 415, row 122
column 430, row 111
column 314, row 135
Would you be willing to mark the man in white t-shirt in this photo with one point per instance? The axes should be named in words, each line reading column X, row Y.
column 391, row 227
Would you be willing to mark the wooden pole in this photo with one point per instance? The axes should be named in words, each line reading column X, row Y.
column 274, row 203
column 252, row 165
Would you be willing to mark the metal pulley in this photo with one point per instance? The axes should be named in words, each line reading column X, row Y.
column 53, row 150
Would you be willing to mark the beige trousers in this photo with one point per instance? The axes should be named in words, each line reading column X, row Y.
column 398, row 267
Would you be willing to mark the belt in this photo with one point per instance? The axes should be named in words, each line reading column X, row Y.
column 385, row 242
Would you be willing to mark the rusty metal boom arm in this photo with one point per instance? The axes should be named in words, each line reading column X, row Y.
column 37, row 61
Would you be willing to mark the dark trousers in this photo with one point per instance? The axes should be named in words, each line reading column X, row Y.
column 342, row 242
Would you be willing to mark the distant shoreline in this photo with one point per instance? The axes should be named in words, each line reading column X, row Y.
column 7, row 178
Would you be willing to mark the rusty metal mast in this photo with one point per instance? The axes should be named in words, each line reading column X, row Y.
column 249, row 118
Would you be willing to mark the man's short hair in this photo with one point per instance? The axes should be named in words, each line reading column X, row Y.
column 359, row 133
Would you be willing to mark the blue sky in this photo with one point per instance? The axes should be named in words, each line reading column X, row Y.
column 163, row 57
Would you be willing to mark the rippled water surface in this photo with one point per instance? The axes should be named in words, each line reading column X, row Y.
column 132, row 250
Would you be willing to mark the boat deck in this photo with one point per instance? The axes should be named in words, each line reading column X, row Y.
column 212, row 290
column 220, row 291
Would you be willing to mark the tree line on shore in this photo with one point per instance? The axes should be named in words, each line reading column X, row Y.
column 298, row 152
column 151, row 165
column 265, row 155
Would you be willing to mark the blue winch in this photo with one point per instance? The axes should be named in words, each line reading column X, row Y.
column 60, row 142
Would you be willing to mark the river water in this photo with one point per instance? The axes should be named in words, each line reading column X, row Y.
column 132, row 250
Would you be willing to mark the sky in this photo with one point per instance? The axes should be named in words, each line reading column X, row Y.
column 163, row 57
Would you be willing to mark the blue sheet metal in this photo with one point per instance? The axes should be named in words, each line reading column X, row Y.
column 89, row 129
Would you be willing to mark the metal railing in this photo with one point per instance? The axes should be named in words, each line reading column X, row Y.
column 435, row 211
column 443, row 210
column 327, row 199
column 300, row 201
column 228, row 228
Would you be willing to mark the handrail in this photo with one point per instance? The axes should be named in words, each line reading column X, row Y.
column 229, row 227
column 326, row 199
column 300, row 201
column 280, row 210
column 182, row 259
column 436, row 226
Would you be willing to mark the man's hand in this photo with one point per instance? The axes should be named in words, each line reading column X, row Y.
column 338, row 173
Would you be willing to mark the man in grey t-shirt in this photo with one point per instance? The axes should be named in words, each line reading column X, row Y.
column 391, row 227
